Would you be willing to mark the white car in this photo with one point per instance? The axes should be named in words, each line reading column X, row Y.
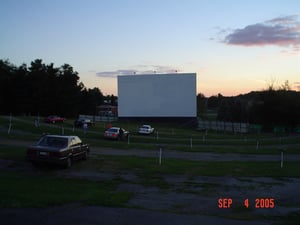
column 116, row 133
column 146, row 129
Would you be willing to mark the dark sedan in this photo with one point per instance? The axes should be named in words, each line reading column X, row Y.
column 80, row 122
column 57, row 149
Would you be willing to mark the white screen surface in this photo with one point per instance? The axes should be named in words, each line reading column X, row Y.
column 157, row 95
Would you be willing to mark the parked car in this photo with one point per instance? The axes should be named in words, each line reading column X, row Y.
column 57, row 149
column 116, row 133
column 54, row 119
column 80, row 122
column 146, row 129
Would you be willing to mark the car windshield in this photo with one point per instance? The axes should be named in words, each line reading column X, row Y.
column 145, row 127
column 113, row 130
column 60, row 142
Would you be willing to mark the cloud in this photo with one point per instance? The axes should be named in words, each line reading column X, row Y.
column 281, row 31
column 140, row 69
column 297, row 85
column 115, row 73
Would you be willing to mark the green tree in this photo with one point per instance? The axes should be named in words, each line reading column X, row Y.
column 44, row 89
column 91, row 99
column 201, row 105
column 7, row 71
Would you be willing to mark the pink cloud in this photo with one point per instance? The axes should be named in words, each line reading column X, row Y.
column 140, row 69
column 297, row 85
column 281, row 31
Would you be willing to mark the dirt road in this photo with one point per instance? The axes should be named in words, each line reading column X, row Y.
column 167, row 153
column 195, row 156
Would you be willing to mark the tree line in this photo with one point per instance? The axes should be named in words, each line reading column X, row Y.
column 270, row 108
column 43, row 89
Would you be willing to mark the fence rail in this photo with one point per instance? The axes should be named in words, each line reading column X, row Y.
column 224, row 126
column 99, row 118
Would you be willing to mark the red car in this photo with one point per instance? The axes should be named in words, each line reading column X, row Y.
column 54, row 119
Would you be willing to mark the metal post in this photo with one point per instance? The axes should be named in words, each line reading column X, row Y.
column 160, row 154
column 9, row 127
column 191, row 142
column 281, row 163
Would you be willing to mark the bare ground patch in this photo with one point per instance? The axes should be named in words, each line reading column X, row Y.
column 184, row 199
column 198, row 195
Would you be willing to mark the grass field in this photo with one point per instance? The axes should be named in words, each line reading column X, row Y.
column 172, row 137
column 43, row 188
column 23, row 190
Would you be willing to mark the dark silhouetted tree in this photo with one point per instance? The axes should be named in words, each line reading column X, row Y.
column 43, row 89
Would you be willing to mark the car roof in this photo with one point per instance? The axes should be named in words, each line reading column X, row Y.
column 60, row 136
column 114, row 128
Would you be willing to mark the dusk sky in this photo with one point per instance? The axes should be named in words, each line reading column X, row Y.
column 234, row 46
